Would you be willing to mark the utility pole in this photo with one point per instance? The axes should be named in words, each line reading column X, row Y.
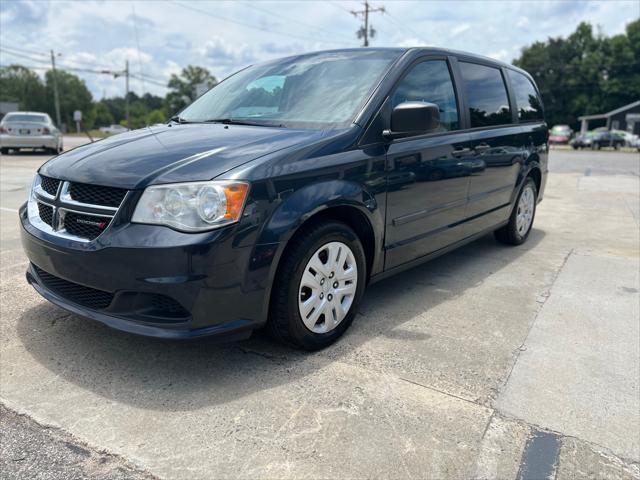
column 365, row 31
column 117, row 74
column 126, row 104
column 56, row 97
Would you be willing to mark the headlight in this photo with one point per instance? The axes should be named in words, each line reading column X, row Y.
column 32, row 204
column 192, row 207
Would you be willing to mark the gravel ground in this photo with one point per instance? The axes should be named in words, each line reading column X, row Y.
column 30, row 450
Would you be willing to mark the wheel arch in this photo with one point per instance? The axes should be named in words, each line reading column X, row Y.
column 536, row 173
column 339, row 200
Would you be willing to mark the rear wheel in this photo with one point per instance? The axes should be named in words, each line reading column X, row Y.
column 517, row 230
column 318, row 286
column 4, row 151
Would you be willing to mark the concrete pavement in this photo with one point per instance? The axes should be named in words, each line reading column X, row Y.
column 474, row 365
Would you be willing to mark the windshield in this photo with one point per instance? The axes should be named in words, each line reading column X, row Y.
column 20, row 117
column 313, row 91
column 560, row 130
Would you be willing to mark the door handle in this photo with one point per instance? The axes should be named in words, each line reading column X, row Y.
column 461, row 152
column 482, row 147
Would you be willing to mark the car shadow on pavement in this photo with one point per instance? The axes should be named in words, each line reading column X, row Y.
column 187, row 375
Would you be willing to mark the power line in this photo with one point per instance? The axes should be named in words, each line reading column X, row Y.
column 17, row 52
column 289, row 19
column 109, row 71
column 337, row 5
column 248, row 25
column 22, row 55
column 29, row 67
column 153, row 82
column 23, row 50
column 403, row 26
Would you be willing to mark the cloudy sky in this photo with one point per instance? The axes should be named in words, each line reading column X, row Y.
column 161, row 37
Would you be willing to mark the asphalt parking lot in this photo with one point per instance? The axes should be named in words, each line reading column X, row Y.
column 489, row 362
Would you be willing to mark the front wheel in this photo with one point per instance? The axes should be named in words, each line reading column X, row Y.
column 318, row 286
column 517, row 230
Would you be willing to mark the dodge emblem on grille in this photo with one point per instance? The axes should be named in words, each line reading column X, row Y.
column 93, row 223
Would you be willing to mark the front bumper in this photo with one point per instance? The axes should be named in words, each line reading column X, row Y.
column 157, row 282
column 29, row 141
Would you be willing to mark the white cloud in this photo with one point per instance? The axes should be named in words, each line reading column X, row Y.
column 457, row 30
column 502, row 55
column 98, row 34
column 409, row 42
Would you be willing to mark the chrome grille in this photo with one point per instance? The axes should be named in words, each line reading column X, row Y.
column 50, row 185
column 73, row 210
column 97, row 195
column 46, row 213
column 85, row 226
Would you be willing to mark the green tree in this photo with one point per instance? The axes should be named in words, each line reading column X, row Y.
column 155, row 116
column 183, row 88
column 21, row 85
column 104, row 117
column 585, row 73
column 74, row 95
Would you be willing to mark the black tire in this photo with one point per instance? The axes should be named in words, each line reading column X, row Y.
column 285, row 322
column 509, row 233
column 4, row 151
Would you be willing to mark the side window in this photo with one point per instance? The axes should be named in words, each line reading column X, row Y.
column 430, row 81
column 529, row 104
column 486, row 95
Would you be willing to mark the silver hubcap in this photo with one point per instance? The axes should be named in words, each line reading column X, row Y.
column 524, row 215
column 328, row 287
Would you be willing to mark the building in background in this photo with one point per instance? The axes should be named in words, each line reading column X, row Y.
column 625, row 118
column 8, row 107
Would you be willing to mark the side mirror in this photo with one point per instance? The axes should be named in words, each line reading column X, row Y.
column 413, row 118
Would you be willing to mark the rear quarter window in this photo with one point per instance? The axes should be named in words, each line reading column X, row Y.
column 527, row 98
column 487, row 97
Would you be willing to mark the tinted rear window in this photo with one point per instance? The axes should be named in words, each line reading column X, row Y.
column 486, row 95
column 19, row 117
column 527, row 98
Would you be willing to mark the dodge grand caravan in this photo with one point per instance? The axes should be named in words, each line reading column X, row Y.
column 277, row 196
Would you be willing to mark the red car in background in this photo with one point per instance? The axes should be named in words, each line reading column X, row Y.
column 560, row 135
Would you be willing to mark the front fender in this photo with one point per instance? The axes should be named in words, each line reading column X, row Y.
column 297, row 208
column 302, row 204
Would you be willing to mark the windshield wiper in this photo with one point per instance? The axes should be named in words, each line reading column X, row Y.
column 232, row 121
column 178, row 119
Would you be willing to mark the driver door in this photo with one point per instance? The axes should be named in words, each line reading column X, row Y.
column 427, row 175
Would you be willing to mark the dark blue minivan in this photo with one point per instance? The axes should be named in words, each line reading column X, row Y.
column 277, row 196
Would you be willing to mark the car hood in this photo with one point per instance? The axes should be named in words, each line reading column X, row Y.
column 172, row 153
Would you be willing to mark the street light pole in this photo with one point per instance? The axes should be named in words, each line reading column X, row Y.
column 56, row 97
